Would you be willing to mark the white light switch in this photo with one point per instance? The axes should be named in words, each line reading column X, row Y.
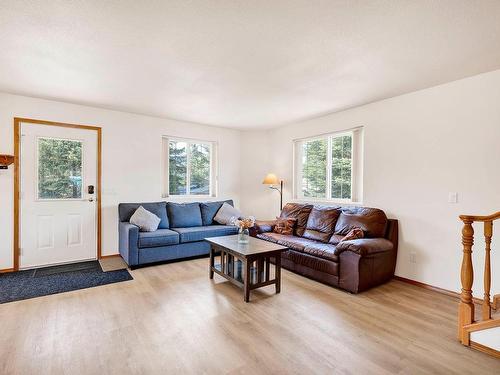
column 452, row 197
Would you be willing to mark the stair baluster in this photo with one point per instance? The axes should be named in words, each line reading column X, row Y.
column 488, row 233
column 466, row 306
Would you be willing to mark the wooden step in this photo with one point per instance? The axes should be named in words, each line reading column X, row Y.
column 487, row 341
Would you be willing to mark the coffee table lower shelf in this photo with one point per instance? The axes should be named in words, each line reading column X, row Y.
column 239, row 279
column 244, row 268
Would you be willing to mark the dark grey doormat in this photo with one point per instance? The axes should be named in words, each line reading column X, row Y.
column 21, row 285
column 80, row 266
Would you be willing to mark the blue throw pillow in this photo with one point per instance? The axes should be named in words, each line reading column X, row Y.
column 184, row 215
column 126, row 210
column 209, row 210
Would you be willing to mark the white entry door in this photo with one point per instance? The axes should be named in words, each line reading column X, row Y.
column 57, row 210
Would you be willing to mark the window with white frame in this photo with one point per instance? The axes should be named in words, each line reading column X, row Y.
column 328, row 167
column 189, row 167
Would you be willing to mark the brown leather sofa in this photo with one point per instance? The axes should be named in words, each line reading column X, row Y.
column 315, row 250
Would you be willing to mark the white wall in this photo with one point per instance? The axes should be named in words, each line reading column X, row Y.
column 418, row 148
column 131, row 159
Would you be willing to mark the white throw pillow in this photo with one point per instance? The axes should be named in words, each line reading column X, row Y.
column 227, row 214
column 145, row 220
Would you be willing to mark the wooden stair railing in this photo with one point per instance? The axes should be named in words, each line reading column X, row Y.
column 466, row 321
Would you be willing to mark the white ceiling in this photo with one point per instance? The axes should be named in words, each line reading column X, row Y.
column 241, row 63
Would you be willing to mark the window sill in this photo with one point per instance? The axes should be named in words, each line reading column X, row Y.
column 327, row 201
column 188, row 197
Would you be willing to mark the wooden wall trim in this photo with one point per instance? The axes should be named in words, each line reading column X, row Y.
column 485, row 349
column 6, row 270
column 447, row 292
column 17, row 184
column 110, row 256
column 17, row 177
column 55, row 123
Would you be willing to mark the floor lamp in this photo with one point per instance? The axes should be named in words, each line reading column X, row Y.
column 272, row 180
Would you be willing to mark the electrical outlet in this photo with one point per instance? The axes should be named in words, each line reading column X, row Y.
column 453, row 197
column 413, row 257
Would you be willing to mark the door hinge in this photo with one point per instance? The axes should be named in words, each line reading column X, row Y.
column 20, row 251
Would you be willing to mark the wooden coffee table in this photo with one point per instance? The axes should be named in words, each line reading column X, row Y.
column 246, row 265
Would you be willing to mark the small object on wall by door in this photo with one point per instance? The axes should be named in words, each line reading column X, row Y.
column 5, row 161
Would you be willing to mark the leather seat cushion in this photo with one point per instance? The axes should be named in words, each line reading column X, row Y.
column 160, row 237
column 322, row 250
column 193, row 234
column 300, row 212
column 335, row 239
column 292, row 242
column 372, row 221
column 321, row 223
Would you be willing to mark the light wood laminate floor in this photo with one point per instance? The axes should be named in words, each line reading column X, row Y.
column 173, row 320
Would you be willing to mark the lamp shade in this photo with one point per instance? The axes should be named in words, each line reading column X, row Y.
column 271, row 179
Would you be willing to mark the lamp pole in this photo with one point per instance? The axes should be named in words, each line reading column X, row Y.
column 280, row 190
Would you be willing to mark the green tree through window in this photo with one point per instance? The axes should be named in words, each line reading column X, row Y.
column 200, row 170
column 177, row 168
column 59, row 169
column 341, row 167
column 326, row 167
column 314, row 157
column 189, row 168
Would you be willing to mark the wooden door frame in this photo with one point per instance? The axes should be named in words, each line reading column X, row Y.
column 17, row 177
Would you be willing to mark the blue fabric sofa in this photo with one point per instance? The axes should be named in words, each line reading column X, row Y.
column 181, row 233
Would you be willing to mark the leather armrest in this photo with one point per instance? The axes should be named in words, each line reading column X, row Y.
column 365, row 246
column 262, row 226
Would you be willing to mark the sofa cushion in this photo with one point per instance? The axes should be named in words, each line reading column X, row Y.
column 321, row 223
column 372, row 221
column 183, row 215
column 209, row 209
column 354, row 234
column 227, row 214
column 145, row 220
column 270, row 236
column 161, row 237
column 285, row 225
column 335, row 239
column 322, row 250
column 262, row 226
column 193, row 234
column 300, row 212
column 126, row 210
column 292, row 242
column 313, row 248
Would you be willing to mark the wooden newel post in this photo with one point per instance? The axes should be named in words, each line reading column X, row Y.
column 466, row 306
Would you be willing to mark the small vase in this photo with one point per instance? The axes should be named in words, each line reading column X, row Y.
column 243, row 235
